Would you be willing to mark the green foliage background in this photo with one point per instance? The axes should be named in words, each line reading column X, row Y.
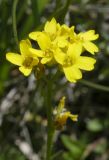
column 22, row 109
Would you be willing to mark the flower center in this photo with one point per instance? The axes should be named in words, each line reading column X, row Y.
column 48, row 53
column 75, row 39
column 28, row 62
column 68, row 61
column 53, row 37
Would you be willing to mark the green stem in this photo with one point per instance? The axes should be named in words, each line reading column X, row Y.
column 50, row 130
column 95, row 86
column 14, row 21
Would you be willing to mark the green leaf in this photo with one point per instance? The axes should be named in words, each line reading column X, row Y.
column 94, row 125
column 74, row 147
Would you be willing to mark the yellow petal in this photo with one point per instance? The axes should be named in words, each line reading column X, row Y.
column 65, row 30
column 72, row 29
column 86, row 63
column 72, row 73
column 65, row 115
column 90, row 47
column 50, row 27
column 59, row 56
column 73, row 117
column 89, row 35
column 75, row 50
column 24, row 47
column 61, row 105
column 46, row 60
column 36, row 52
column 35, row 62
column 25, row 71
column 14, row 58
column 61, row 41
column 42, row 39
column 34, row 35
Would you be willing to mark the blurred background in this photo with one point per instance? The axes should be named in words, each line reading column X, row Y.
column 23, row 118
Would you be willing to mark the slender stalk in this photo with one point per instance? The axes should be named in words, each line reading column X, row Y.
column 50, row 130
column 94, row 85
column 14, row 21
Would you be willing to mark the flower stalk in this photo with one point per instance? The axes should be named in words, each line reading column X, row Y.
column 50, row 127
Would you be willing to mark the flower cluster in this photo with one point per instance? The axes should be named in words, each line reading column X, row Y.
column 58, row 44
column 61, row 115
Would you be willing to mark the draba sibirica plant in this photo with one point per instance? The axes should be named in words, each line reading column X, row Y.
column 61, row 47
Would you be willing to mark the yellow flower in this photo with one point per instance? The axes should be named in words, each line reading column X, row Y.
column 72, row 62
column 54, row 36
column 26, row 61
column 83, row 40
column 63, row 34
column 52, row 28
column 61, row 115
column 46, row 46
column 60, row 44
column 58, row 33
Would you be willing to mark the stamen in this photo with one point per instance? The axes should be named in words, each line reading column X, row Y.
column 48, row 53
column 28, row 62
column 68, row 61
